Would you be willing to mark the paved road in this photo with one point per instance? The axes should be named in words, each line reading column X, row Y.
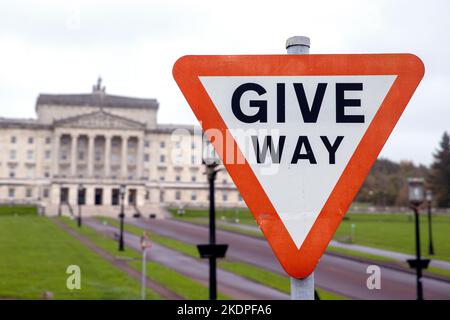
column 356, row 247
column 336, row 274
column 228, row 283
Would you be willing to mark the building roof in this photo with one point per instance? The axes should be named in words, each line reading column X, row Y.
column 170, row 128
column 96, row 99
column 22, row 123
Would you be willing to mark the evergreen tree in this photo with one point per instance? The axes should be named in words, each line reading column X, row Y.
column 440, row 173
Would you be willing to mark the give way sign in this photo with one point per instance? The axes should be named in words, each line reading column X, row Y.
column 298, row 134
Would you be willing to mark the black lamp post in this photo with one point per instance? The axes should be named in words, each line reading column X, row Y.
column 429, row 197
column 416, row 195
column 80, row 190
column 212, row 251
column 122, row 216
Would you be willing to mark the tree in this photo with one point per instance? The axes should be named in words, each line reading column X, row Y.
column 440, row 173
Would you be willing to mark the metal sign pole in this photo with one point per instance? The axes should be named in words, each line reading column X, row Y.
column 144, row 273
column 301, row 289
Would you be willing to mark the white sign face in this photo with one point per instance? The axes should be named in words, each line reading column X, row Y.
column 298, row 133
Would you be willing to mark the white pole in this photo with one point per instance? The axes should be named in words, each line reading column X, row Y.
column 301, row 289
column 144, row 273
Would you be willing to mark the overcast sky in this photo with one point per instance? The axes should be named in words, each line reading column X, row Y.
column 63, row 46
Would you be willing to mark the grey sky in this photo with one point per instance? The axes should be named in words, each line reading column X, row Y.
column 62, row 46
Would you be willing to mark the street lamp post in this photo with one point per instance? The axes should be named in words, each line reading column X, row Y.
column 80, row 190
column 122, row 216
column 416, row 195
column 212, row 251
column 429, row 198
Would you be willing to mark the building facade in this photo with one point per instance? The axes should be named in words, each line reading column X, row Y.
column 82, row 147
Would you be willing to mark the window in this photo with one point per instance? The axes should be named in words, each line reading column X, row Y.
column 30, row 140
column 193, row 196
column 177, row 195
column 146, row 157
column 11, row 192
column 81, row 196
column 162, row 158
column 178, row 144
column 98, row 196
column 64, row 155
column 30, row 155
column 193, row 159
column 193, row 145
column 12, row 174
column 45, row 193
column 239, row 197
column 13, row 139
column 177, row 178
column 224, row 197
column 47, row 174
column 147, row 143
column 48, row 140
column 115, row 197
column 162, row 144
column 162, row 178
column 28, row 192
column 224, row 181
column 147, row 195
column 12, row 154
column 193, row 178
column 81, row 155
column 64, row 195
column 48, row 154
column 30, row 172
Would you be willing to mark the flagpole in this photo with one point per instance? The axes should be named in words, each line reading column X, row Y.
column 301, row 289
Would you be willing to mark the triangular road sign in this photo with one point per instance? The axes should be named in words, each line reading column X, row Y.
column 323, row 119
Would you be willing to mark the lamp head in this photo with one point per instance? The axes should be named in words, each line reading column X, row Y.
column 416, row 191
column 122, row 189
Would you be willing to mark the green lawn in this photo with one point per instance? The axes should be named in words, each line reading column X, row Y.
column 22, row 210
column 396, row 232
column 251, row 272
column 185, row 248
column 35, row 254
column 241, row 215
column 183, row 286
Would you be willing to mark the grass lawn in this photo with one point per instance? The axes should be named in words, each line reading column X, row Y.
column 396, row 232
column 183, row 286
column 251, row 272
column 242, row 215
column 35, row 254
column 22, row 210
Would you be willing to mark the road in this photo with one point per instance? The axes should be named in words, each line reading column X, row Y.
column 229, row 283
column 336, row 274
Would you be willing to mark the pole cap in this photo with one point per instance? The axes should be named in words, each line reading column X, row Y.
column 298, row 41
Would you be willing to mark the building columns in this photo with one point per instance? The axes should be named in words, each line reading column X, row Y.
column 56, row 155
column 124, row 157
column 107, row 156
column 73, row 155
column 140, row 158
column 91, row 140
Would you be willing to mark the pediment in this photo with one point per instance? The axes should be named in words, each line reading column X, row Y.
column 99, row 119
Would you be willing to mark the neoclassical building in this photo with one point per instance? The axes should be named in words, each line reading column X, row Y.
column 82, row 147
